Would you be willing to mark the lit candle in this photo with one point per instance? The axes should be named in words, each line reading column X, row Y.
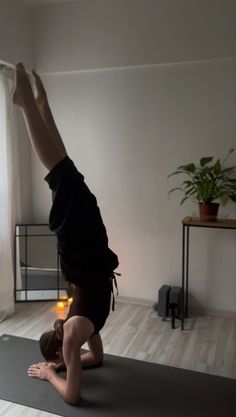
column 63, row 297
column 60, row 305
column 70, row 301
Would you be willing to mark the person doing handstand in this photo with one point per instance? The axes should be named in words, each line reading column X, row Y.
column 86, row 260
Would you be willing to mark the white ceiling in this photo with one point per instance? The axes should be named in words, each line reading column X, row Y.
column 35, row 3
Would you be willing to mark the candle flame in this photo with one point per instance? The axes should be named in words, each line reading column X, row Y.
column 60, row 305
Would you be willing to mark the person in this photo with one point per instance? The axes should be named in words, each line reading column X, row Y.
column 87, row 262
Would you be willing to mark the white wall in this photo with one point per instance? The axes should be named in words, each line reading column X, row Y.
column 110, row 33
column 16, row 33
column 15, row 46
column 128, row 128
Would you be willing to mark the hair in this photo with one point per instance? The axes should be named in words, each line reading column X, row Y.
column 51, row 341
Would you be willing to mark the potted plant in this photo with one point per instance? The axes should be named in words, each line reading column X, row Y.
column 209, row 184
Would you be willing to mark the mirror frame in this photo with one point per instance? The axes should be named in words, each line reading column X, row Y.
column 59, row 291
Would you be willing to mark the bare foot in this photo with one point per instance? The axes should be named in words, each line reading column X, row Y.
column 23, row 87
column 41, row 95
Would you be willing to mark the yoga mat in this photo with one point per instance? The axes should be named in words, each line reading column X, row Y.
column 121, row 388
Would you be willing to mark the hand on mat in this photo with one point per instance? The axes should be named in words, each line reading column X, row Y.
column 41, row 370
column 58, row 366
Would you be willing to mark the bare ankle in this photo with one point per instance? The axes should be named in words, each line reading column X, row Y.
column 42, row 104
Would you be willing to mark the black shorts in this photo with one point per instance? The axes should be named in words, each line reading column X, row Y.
column 76, row 220
column 95, row 305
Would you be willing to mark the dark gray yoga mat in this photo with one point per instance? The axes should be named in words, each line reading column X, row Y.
column 121, row 388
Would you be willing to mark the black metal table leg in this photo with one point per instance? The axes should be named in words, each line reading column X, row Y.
column 187, row 272
column 183, row 277
column 26, row 263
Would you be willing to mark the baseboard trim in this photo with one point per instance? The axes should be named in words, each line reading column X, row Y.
column 195, row 310
column 212, row 312
column 133, row 300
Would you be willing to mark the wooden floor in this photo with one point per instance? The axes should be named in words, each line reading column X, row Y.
column 208, row 344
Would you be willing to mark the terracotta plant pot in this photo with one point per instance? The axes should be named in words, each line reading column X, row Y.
column 208, row 212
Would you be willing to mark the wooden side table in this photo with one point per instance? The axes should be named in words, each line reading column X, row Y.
column 188, row 222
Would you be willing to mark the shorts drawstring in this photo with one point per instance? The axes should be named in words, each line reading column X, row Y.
column 113, row 280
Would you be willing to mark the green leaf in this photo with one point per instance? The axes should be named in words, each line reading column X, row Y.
column 175, row 189
column 228, row 170
column 189, row 168
column 205, row 160
column 183, row 200
column 217, row 167
column 187, row 184
column 176, row 173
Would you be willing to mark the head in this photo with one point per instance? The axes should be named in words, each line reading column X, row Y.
column 51, row 343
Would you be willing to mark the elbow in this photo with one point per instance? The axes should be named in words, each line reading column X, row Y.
column 96, row 362
column 72, row 400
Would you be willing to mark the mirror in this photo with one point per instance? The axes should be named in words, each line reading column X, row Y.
column 37, row 271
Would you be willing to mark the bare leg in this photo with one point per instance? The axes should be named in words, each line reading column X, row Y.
column 45, row 111
column 41, row 138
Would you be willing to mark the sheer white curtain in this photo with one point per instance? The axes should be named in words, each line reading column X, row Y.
column 9, row 190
